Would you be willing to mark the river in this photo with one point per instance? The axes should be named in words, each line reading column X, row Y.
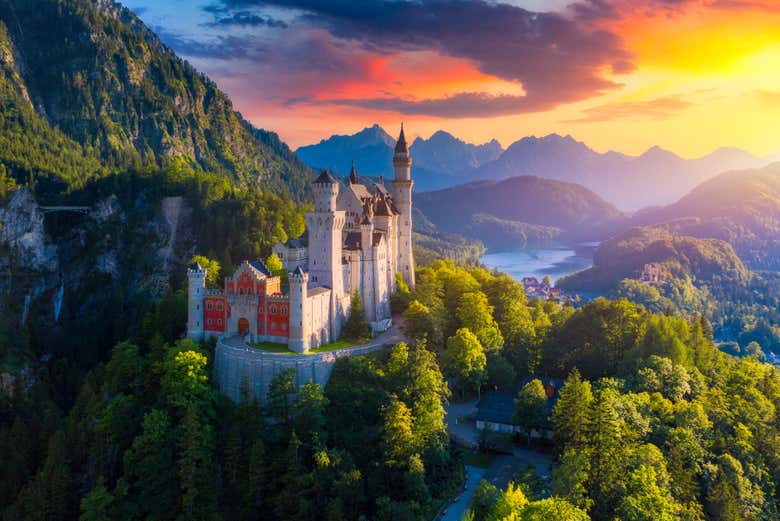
column 555, row 260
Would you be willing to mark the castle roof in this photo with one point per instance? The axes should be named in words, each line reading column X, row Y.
column 326, row 179
column 360, row 191
column 195, row 266
column 352, row 241
column 260, row 266
column 298, row 272
column 353, row 176
column 383, row 208
column 400, row 145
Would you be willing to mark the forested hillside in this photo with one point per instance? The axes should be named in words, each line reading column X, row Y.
column 514, row 211
column 87, row 89
column 740, row 207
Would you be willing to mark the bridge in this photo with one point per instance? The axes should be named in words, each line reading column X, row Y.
column 78, row 209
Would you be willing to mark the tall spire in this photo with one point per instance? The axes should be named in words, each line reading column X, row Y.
column 353, row 177
column 400, row 146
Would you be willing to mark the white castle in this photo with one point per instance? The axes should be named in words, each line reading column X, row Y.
column 356, row 241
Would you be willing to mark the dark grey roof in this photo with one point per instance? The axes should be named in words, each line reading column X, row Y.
column 326, row 178
column 353, row 175
column 195, row 266
column 298, row 272
column 352, row 241
column 259, row 266
column 383, row 208
column 497, row 407
column 400, row 145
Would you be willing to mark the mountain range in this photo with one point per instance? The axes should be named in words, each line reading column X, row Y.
column 657, row 177
column 439, row 161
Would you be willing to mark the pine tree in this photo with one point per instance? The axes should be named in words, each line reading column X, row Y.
column 603, row 435
column 569, row 416
column 356, row 328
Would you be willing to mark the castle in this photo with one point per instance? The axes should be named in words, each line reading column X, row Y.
column 356, row 240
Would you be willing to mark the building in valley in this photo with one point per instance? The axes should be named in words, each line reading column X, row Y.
column 357, row 239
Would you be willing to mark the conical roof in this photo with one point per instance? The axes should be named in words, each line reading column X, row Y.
column 400, row 145
column 326, row 179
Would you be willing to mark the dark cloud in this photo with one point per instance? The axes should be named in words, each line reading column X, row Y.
column 246, row 19
column 657, row 108
column 558, row 58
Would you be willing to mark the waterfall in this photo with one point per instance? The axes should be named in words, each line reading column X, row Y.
column 58, row 301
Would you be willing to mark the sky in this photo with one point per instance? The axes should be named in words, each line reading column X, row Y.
column 687, row 75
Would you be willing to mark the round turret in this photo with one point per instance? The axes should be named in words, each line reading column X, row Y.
column 326, row 191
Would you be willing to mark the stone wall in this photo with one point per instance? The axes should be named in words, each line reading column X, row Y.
column 233, row 360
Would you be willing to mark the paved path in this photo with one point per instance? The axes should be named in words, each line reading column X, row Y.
column 455, row 511
column 463, row 433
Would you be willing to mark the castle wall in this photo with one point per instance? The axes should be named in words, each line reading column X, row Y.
column 232, row 362
column 317, row 316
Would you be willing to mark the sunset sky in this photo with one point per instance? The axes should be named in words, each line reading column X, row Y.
column 688, row 75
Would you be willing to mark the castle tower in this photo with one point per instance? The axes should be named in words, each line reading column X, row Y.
column 325, row 225
column 402, row 196
column 299, row 324
column 196, row 275
column 368, row 271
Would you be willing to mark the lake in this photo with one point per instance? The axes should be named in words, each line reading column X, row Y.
column 555, row 260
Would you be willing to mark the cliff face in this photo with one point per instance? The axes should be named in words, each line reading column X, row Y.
column 23, row 233
column 69, row 278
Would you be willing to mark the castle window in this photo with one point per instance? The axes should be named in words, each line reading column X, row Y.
column 240, row 291
column 284, row 327
column 219, row 306
column 284, row 310
column 219, row 322
column 197, row 307
column 272, row 309
column 209, row 322
column 209, row 305
column 273, row 326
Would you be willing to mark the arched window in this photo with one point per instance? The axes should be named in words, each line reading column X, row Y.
column 209, row 305
column 284, row 327
column 240, row 291
column 272, row 309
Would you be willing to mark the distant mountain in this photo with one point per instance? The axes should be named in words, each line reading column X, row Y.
column 741, row 207
column 448, row 156
column 86, row 88
column 521, row 209
column 653, row 178
column 439, row 161
column 371, row 149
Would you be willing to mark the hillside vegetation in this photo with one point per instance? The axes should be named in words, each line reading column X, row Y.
column 87, row 89
column 526, row 209
column 740, row 207
column 631, row 253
